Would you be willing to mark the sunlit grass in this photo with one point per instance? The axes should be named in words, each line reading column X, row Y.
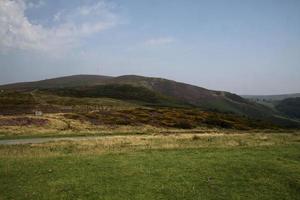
column 260, row 166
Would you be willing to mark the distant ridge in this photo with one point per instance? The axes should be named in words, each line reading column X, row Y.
column 277, row 97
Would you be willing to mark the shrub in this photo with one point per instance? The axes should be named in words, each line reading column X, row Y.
column 195, row 137
column 184, row 124
column 218, row 122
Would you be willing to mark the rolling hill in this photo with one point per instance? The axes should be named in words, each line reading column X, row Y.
column 148, row 87
column 149, row 91
column 279, row 97
column 61, row 82
column 290, row 107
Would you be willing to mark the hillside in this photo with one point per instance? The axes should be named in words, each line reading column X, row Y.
column 290, row 107
column 61, row 82
column 193, row 95
column 270, row 97
column 149, row 91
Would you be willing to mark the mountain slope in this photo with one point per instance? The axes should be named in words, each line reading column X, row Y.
column 149, row 90
column 197, row 96
column 61, row 82
column 270, row 97
column 290, row 107
column 129, row 92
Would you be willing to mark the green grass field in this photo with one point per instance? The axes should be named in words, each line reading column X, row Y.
column 244, row 166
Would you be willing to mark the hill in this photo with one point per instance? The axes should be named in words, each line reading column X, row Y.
column 290, row 107
column 286, row 104
column 271, row 97
column 61, row 82
column 90, row 85
column 150, row 91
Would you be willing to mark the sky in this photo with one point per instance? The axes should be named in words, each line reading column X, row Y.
column 241, row 46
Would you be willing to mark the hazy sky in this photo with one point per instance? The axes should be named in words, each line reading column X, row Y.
column 242, row 46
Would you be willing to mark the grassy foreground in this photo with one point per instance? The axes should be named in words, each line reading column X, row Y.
column 258, row 166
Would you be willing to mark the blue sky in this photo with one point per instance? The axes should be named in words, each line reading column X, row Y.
column 245, row 47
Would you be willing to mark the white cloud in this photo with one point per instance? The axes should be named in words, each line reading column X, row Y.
column 159, row 41
column 87, row 10
column 57, row 16
column 35, row 3
column 18, row 32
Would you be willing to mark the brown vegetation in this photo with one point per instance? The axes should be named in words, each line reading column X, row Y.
column 169, row 117
column 23, row 121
